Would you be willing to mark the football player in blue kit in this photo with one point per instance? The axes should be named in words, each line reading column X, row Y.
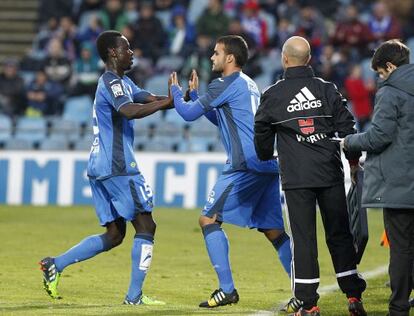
column 119, row 190
column 247, row 192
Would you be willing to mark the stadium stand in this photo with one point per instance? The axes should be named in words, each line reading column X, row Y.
column 189, row 28
column 5, row 128
column 78, row 109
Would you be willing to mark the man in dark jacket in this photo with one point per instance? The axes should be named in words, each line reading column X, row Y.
column 389, row 167
column 305, row 112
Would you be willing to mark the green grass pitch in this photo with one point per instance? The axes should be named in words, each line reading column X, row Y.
column 180, row 273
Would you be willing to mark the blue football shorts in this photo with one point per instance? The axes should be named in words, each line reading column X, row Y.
column 121, row 196
column 246, row 199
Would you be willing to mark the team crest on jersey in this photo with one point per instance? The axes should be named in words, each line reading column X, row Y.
column 117, row 90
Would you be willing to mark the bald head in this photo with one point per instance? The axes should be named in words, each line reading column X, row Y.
column 296, row 51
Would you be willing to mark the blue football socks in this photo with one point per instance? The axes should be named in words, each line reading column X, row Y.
column 141, row 256
column 282, row 246
column 218, row 250
column 87, row 248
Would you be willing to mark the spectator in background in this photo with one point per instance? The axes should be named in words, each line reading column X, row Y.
column 181, row 32
column 43, row 96
column 213, row 22
column 252, row 68
column 67, row 35
column 57, row 67
column 88, row 6
column 284, row 30
column 131, row 11
column 40, row 96
column 90, row 33
column 290, row 11
column 353, row 34
column 42, row 38
column 142, row 67
column 253, row 24
column 113, row 15
column 12, row 101
column 199, row 59
column 382, row 25
column 149, row 35
column 236, row 28
column 332, row 65
column 311, row 26
column 403, row 10
column 163, row 10
column 86, row 72
column 54, row 9
column 359, row 94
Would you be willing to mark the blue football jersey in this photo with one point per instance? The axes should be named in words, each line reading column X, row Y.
column 236, row 99
column 112, row 149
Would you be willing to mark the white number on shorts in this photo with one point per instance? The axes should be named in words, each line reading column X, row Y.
column 146, row 191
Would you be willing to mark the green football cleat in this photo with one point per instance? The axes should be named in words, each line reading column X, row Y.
column 219, row 298
column 50, row 277
column 143, row 300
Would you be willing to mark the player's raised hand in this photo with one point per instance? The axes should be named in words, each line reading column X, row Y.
column 193, row 82
column 169, row 87
column 174, row 79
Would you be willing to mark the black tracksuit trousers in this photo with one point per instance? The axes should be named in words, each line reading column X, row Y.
column 399, row 225
column 302, row 220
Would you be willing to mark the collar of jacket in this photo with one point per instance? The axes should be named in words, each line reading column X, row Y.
column 299, row 72
column 401, row 78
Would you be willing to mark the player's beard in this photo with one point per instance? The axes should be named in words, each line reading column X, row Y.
column 217, row 68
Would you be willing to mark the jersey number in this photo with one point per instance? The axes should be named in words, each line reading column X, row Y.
column 146, row 191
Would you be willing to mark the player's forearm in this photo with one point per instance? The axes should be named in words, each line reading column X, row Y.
column 193, row 95
column 189, row 111
column 160, row 97
column 138, row 110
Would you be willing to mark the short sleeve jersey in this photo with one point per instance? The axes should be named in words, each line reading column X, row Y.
column 236, row 99
column 112, row 149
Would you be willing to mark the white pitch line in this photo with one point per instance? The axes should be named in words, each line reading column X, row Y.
column 324, row 290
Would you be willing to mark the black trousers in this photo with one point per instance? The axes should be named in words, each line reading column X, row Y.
column 399, row 225
column 302, row 220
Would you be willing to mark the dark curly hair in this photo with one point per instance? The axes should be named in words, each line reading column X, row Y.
column 106, row 40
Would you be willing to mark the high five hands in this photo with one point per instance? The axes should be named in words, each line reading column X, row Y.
column 193, row 82
column 174, row 80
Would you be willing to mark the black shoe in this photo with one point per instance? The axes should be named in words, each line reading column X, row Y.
column 355, row 307
column 292, row 306
column 219, row 298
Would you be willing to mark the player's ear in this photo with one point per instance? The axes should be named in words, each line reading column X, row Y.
column 230, row 58
column 112, row 52
column 309, row 59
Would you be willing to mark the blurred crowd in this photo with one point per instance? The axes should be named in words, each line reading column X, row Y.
column 63, row 60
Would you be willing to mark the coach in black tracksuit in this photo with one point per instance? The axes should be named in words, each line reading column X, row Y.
column 305, row 112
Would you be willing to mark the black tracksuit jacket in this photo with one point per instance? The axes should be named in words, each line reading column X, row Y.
column 304, row 112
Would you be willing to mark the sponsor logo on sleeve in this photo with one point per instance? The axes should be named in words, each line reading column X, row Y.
column 117, row 90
